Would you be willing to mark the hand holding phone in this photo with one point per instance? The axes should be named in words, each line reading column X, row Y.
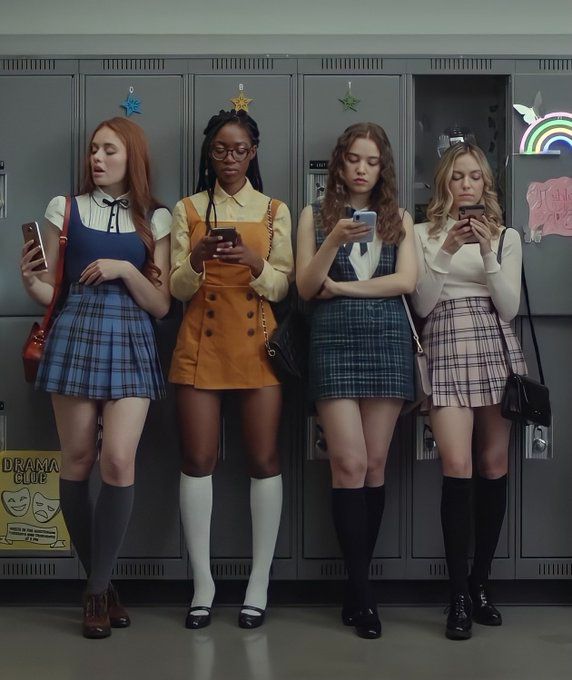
column 33, row 236
column 229, row 234
column 368, row 217
column 468, row 211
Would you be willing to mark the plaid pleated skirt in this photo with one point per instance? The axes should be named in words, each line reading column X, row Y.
column 465, row 354
column 360, row 347
column 102, row 346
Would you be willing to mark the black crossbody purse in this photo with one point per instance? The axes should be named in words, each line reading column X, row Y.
column 524, row 400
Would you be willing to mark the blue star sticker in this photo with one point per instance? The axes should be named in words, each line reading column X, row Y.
column 131, row 105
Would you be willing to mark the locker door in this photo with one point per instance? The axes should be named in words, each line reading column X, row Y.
column 153, row 546
column 324, row 119
column 272, row 108
column 545, row 505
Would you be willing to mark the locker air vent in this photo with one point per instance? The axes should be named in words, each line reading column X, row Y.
column 555, row 569
column 139, row 569
column 437, row 569
column 354, row 64
column 461, row 64
column 242, row 64
column 555, row 64
column 333, row 569
column 27, row 64
column 376, row 570
column 133, row 64
column 22, row 569
column 231, row 569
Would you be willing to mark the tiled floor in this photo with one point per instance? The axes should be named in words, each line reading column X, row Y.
column 38, row 643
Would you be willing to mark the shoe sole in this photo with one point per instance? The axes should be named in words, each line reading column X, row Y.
column 487, row 623
column 96, row 636
column 120, row 624
column 456, row 635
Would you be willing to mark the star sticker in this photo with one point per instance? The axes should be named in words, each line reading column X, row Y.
column 241, row 102
column 350, row 102
column 131, row 104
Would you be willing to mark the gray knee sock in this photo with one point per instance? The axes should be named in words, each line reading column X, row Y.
column 76, row 509
column 111, row 517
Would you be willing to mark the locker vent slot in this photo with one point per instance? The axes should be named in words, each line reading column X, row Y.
column 437, row 569
column 134, row 569
column 352, row 64
column 242, row 64
column 376, row 570
column 230, row 569
column 461, row 64
column 27, row 64
column 555, row 64
column 29, row 569
column 555, row 569
column 333, row 569
column 133, row 64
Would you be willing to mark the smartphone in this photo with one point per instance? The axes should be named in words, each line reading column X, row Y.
column 32, row 233
column 368, row 217
column 228, row 234
column 476, row 211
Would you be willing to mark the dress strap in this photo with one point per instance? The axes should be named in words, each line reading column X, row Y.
column 193, row 217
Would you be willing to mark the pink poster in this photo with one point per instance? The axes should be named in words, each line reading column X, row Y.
column 550, row 207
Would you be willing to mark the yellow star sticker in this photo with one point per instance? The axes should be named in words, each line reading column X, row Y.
column 241, row 102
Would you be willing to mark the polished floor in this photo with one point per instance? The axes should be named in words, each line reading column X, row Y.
column 43, row 643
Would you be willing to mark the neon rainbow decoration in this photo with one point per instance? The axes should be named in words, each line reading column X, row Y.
column 546, row 131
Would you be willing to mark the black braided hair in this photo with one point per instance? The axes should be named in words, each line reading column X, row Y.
column 207, row 175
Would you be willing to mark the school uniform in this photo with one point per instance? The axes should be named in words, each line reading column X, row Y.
column 102, row 344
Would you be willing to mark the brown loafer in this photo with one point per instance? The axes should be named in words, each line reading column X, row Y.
column 96, row 622
column 118, row 616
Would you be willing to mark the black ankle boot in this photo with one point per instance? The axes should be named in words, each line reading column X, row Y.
column 484, row 611
column 367, row 623
column 459, row 622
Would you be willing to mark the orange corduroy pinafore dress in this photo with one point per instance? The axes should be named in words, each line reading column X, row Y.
column 220, row 344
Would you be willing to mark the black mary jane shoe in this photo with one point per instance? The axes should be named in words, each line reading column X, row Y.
column 250, row 621
column 484, row 611
column 367, row 623
column 459, row 621
column 196, row 621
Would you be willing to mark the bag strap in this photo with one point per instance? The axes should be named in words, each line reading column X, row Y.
column 46, row 321
column 271, row 211
column 413, row 329
column 529, row 314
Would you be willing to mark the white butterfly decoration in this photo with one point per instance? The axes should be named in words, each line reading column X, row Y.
column 531, row 113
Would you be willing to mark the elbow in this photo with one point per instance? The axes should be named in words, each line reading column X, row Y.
column 410, row 287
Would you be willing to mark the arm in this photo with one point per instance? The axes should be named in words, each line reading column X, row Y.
column 272, row 282
column 503, row 280
column 402, row 281
column 40, row 286
column 153, row 298
column 432, row 277
column 184, row 281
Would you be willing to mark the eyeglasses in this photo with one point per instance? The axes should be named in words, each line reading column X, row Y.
column 219, row 153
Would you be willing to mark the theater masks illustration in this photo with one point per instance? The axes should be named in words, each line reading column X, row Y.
column 44, row 508
column 17, row 503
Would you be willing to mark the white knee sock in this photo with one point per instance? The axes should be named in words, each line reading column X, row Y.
column 265, row 510
column 196, row 503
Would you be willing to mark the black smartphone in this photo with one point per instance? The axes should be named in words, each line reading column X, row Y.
column 32, row 233
column 228, row 234
column 476, row 211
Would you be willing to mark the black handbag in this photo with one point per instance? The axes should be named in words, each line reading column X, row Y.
column 524, row 400
column 423, row 388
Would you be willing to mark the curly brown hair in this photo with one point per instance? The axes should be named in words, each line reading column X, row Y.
column 383, row 197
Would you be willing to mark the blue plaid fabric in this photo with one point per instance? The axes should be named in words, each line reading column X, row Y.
column 359, row 347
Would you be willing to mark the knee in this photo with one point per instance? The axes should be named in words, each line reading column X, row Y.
column 263, row 466
column 349, row 472
column 376, row 469
column 199, row 464
column 117, row 470
column 492, row 470
column 462, row 469
column 79, row 462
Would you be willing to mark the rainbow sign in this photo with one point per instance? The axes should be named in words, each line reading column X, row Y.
column 546, row 131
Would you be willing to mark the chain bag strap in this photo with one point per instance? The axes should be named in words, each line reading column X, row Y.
column 270, row 227
column 422, row 382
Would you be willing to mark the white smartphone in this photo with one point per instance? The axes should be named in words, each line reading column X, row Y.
column 368, row 217
column 32, row 232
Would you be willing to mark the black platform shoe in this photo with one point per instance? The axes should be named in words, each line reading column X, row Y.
column 484, row 611
column 367, row 623
column 250, row 620
column 196, row 621
column 459, row 621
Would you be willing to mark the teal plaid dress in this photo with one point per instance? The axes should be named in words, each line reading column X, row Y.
column 359, row 347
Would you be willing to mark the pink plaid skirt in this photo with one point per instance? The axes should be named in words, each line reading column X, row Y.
column 465, row 354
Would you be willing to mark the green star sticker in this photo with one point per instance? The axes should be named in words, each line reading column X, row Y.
column 350, row 102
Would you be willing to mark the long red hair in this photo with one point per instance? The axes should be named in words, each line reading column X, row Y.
column 141, row 201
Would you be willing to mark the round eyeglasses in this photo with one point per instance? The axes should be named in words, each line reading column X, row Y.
column 219, row 153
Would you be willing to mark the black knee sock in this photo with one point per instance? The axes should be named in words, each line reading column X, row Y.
column 350, row 521
column 456, row 522
column 76, row 509
column 490, row 508
column 111, row 517
column 375, row 504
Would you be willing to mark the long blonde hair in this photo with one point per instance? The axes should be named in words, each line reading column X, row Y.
column 442, row 200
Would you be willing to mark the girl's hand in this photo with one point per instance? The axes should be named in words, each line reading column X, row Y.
column 204, row 250
column 459, row 234
column 328, row 290
column 103, row 270
column 29, row 261
column 348, row 231
column 482, row 231
column 239, row 254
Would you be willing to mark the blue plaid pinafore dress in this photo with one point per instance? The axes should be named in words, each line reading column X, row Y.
column 359, row 347
column 102, row 344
